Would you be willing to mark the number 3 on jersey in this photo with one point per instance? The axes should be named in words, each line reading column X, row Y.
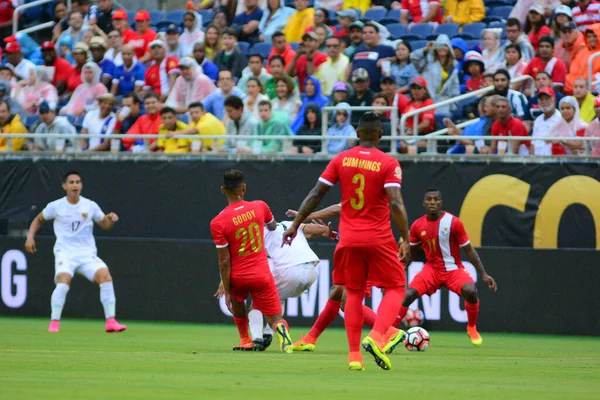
column 255, row 239
column 358, row 204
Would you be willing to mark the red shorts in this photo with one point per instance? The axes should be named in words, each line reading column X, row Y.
column 363, row 267
column 430, row 279
column 337, row 275
column 263, row 290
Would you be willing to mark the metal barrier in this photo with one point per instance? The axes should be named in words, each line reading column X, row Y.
column 38, row 27
column 591, row 81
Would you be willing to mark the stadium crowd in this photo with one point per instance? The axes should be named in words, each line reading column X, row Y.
column 267, row 67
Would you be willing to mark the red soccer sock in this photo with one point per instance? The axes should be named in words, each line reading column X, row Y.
column 369, row 316
column 242, row 325
column 472, row 313
column 353, row 318
column 401, row 315
column 331, row 310
column 388, row 309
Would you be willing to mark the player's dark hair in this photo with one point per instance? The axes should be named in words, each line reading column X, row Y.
column 369, row 126
column 234, row 102
column 168, row 110
column 277, row 34
column 197, row 104
column 372, row 25
column 233, row 180
column 265, row 103
column 433, row 189
column 66, row 176
column 258, row 55
column 230, row 32
column 515, row 47
column 277, row 57
column 513, row 22
column 502, row 71
column 546, row 39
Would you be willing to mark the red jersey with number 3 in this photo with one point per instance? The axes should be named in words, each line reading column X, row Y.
column 240, row 227
column 364, row 173
column 441, row 240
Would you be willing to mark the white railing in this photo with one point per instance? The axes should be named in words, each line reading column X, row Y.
column 19, row 10
column 591, row 81
column 415, row 114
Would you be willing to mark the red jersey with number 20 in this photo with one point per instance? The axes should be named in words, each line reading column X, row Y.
column 441, row 240
column 240, row 227
column 364, row 173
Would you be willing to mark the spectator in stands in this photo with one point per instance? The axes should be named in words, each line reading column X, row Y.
column 281, row 48
column 483, row 127
column 522, row 7
column 104, row 15
column 513, row 62
column 550, row 123
column 307, row 59
column 464, row 12
column 586, row 13
column 593, row 129
column 51, row 123
column 363, row 95
column 356, row 38
column 115, row 45
column 547, row 62
column 80, row 55
column 10, row 123
column 172, row 42
column 60, row 19
column 215, row 102
column 84, row 97
column 585, row 100
column 256, row 69
column 470, row 107
column 569, row 109
column 191, row 86
column 160, row 76
column 341, row 128
column 436, row 64
column 362, row 5
column 98, row 50
column 345, row 18
column 129, row 77
column 422, row 12
column 371, row 54
column 31, row 92
column 277, row 68
column 580, row 64
column 402, row 70
column 239, row 123
column 204, row 123
column 22, row 67
column 419, row 99
column 7, row 74
column 515, row 35
column 380, row 99
column 99, row 121
column 507, row 125
column 254, row 92
column 86, row 8
column 474, row 67
column 120, row 22
column 62, row 68
column 5, row 91
column 231, row 58
column 571, row 44
column 220, row 20
column 248, row 22
column 143, row 37
column 76, row 31
column 492, row 54
column 323, row 32
column 269, row 124
column 171, row 127
column 129, row 113
column 192, row 34
column 334, row 67
column 536, row 27
column 274, row 20
column 147, row 124
column 311, row 127
column 208, row 67
column 459, row 48
column 340, row 93
column 287, row 100
column 562, row 16
column 299, row 21
column 395, row 98
column 312, row 94
column 321, row 18
column 502, row 88
column 542, row 80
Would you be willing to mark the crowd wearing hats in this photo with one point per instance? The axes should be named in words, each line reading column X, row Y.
column 104, row 70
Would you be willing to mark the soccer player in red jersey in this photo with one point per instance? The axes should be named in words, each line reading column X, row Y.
column 442, row 235
column 238, row 233
column 370, row 183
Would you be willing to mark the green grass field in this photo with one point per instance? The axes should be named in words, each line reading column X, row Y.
column 177, row 361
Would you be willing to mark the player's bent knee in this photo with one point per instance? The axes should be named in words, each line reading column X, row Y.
column 102, row 275
column 336, row 293
column 410, row 296
column 64, row 278
column 469, row 292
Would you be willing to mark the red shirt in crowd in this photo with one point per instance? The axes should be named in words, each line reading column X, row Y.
column 288, row 55
column 6, row 10
column 534, row 38
column 474, row 83
column 420, row 8
column 157, row 75
column 74, row 79
column 62, row 70
column 427, row 115
column 555, row 67
column 146, row 124
column 140, row 41
column 301, row 64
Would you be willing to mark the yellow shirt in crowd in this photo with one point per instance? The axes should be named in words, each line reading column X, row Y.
column 173, row 145
column 13, row 126
column 297, row 24
column 208, row 124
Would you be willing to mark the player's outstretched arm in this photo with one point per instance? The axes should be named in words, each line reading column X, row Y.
column 400, row 218
column 319, row 229
column 476, row 261
column 308, row 206
column 326, row 213
column 108, row 222
column 35, row 226
column 225, row 269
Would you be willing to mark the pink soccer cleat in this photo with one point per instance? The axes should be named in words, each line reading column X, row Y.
column 54, row 326
column 113, row 326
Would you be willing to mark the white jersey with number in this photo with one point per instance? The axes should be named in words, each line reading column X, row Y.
column 299, row 252
column 74, row 225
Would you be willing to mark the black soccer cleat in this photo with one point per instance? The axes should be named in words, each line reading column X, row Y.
column 267, row 339
column 259, row 344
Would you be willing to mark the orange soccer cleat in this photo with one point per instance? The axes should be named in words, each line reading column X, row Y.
column 245, row 345
column 474, row 336
column 306, row 343
column 355, row 361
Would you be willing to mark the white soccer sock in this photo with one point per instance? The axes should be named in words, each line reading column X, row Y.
column 107, row 297
column 255, row 319
column 268, row 330
column 57, row 301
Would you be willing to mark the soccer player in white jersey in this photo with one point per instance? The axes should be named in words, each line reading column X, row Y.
column 75, row 248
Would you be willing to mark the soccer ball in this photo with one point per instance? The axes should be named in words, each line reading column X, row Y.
column 416, row 339
column 414, row 318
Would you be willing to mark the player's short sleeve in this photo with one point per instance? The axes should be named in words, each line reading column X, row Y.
column 393, row 173
column 459, row 232
column 49, row 212
column 268, row 214
column 414, row 235
column 216, row 230
column 331, row 174
column 96, row 212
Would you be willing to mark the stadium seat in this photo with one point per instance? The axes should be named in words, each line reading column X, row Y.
column 375, row 14
column 295, row 45
column 502, row 11
column 411, row 38
column 500, row 25
column 388, row 21
column 261, row 48
column 474, row 29
column 185, row 118
column 397, row 30
column 156, row 16
column 418, row 44
column 163, row 25
column 244, row 47
column 394, row 14
column 473, row 43
column 176, row 16
column 206, row 15
column 422, row 30
column 332, row 16
column 357, row 11
column 131, row 17
column 448, row 29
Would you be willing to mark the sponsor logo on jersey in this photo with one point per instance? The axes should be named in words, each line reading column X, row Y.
column 84, row 215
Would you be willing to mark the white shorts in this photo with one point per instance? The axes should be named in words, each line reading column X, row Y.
column 293, row 281
column 83, row 265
